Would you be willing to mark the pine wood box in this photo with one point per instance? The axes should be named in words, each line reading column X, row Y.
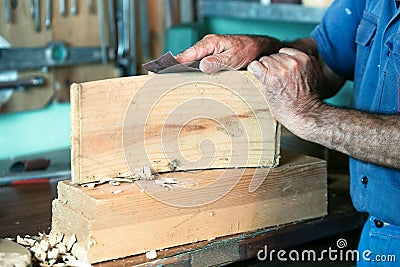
column 212, row 134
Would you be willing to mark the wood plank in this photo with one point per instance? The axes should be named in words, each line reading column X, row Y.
column 182, row 121
column 109, row 225
column 248, row 244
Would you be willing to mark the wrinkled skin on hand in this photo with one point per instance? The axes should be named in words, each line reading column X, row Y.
column 289, row 80
column 223, row 52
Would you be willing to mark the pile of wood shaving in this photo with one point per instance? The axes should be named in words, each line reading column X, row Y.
column 53, row 249
column 138, row 174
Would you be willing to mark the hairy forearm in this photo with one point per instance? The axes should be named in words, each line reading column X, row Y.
column 372, row 138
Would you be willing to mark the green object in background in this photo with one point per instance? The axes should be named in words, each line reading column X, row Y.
column 278, row 29
column 180, row 37
column 35, row 131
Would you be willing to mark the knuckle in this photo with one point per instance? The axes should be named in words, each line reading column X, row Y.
column 293, row 62
column 210, row 35
column 252, row 65
column 264, row 59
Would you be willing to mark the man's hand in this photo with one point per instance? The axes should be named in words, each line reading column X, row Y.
column 290, row 80
column 222, row 52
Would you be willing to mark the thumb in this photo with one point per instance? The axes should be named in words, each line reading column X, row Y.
column 215, row 63
column 258, row 70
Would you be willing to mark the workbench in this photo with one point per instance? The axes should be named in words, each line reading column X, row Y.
column 26, row 209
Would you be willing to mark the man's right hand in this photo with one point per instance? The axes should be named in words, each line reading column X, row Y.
column 222, row 52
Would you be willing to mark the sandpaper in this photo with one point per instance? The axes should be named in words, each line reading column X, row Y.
column 168, row 64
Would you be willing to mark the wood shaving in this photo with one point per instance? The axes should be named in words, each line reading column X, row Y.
column 55, row 237
column 44, row 245
column 26, row 241
column 62, row 248
column 166, row 182
column 115, row 180
column 151, row 255
column 40, row 254
column 35, row 248
column 90, row 185
column 71, row 242
column 170, row 181
column 114, row 183
column 163, row 184
column 146, row 172
column 54, row 253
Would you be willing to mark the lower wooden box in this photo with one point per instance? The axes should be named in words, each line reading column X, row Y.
column 111, row 222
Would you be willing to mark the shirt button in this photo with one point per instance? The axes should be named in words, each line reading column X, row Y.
column 364, row 181
column 378, row 223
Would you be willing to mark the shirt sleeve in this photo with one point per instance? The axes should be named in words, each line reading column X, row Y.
column 336, row 35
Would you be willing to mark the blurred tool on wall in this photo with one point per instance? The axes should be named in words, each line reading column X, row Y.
column 54, row 43
column 6, row 77
column 49, row 44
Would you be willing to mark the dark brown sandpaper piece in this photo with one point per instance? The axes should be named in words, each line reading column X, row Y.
column 168, row 64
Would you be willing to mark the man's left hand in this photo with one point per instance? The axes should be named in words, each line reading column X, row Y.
column 289, row 80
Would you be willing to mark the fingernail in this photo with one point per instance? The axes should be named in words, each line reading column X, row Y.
column 252, row 68
column 206, row 66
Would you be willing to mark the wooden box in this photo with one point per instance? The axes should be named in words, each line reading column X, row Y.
column 213, row 148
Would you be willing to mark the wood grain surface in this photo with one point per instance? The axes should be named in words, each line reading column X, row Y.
column 111, row 225
column 182, row 121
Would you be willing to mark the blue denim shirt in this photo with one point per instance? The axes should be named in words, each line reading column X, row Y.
column 360, row 40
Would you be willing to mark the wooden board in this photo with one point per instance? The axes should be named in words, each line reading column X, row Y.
column 109, row 225
column 182, row 121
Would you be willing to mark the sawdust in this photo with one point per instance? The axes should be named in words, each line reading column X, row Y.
column 138, row 174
